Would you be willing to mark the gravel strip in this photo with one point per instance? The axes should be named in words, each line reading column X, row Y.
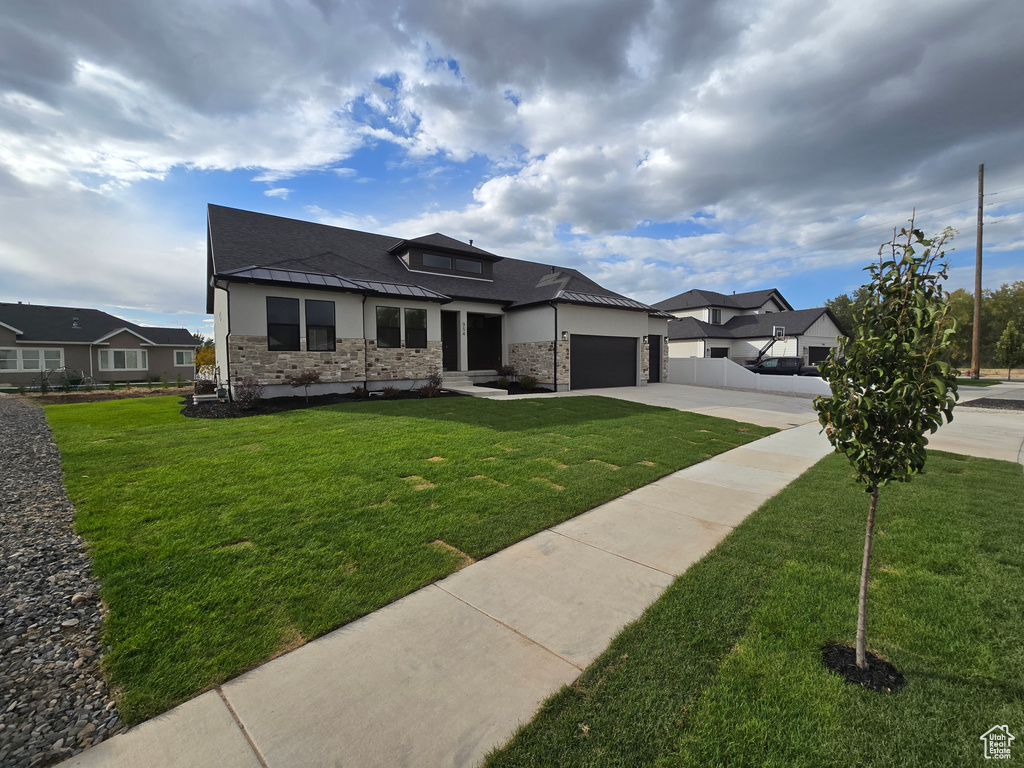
column 53, row 702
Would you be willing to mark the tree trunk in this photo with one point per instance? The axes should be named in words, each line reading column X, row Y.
column 862, row 609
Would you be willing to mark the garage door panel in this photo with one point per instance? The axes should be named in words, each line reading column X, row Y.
column 602, row 361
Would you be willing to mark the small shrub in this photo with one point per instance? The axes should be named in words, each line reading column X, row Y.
column 305, row 379
column 44, row 386
column 88, row 388
column 429, row 390
column 205, row 387
column 179, row 382
column 360, row 392
column 149, row 384
column 507, row 372
column 20, row 390
column 390, row 393
column 127, row 386
column 248, row 393
column 528, row 382
column 503, row 382
column 111, row 385
column 164, row 383
column 435, row 379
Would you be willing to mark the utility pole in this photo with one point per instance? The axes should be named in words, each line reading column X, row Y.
column 976, row 339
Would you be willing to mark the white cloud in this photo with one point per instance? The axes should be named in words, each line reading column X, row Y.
column 759, row 133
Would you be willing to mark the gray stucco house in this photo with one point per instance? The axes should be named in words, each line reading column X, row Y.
column 376, row 310
column 35, row 338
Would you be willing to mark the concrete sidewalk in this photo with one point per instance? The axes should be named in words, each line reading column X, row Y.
column 450, row 671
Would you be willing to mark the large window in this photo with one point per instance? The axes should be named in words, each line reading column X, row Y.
column 389, row 330
column 31, row 359
column 124, row 360
column 468, row 265
column 184, row 357
column 282, row 324
column 319, row 326
column 416, row 328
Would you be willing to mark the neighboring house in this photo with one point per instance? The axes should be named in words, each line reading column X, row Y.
column 374, row 310
column 35, row 338
column 739, row 325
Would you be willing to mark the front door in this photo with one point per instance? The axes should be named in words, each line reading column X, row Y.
column 450, row 340
column 654, row 362
column 483, row 341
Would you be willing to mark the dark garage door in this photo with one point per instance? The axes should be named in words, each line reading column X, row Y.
column 602, row 361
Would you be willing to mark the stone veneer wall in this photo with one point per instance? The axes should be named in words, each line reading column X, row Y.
column 645, row 361
column 400, row 363
column 534, row 358
column 250, row 357
column 664, row 358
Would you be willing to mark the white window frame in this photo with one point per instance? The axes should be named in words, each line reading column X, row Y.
column 108, row 359
column 189, row 363
column 19, row 359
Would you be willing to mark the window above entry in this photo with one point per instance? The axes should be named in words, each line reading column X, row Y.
column 448, row 264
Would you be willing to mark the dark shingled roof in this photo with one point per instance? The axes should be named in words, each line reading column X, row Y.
column 38, row 322
column 796, row 323
column 699, row 298
column 247, row 240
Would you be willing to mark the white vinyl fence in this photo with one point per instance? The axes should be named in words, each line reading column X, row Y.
column 722, row 372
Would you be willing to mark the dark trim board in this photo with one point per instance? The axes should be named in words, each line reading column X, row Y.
column 602, row 361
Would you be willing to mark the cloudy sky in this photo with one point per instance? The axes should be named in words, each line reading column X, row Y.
column 657, row 145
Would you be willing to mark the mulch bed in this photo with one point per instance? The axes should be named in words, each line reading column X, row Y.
column 880, row 676
column 514, row 388
column 218, row 410
column 994, row 402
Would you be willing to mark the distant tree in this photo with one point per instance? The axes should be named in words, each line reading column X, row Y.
column 890, row 383
column 960, row 317
column 845, row 307
column 205, row 356
column 1010, row 348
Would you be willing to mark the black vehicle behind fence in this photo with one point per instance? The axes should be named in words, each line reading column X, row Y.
column 783, row 366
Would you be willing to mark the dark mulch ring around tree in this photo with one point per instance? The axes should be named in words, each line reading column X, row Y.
column 880, row 675
column 219, row 410
column 514, row 388
column 994, row 402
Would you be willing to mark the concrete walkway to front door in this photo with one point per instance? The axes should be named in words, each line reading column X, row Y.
column 450, row 671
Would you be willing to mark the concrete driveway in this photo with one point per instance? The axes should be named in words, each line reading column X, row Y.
column 762, row 408
column 988, row 434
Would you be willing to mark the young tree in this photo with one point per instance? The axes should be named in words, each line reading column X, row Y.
column 305, row 379
column 1010, row 348
column 890, row 383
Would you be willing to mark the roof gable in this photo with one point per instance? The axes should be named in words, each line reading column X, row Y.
column 700, row 298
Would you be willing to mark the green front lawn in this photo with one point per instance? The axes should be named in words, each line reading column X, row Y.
column 965, row 382
column 724, row 670
column 218, row 543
